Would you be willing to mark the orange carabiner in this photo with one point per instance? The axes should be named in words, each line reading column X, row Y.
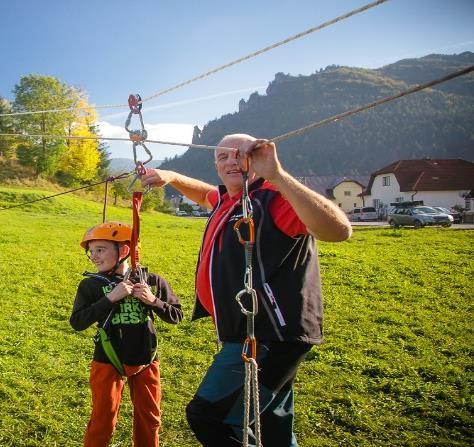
column 253, row 349
column 249, row 222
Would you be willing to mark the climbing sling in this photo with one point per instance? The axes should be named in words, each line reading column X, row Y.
column 251, row 391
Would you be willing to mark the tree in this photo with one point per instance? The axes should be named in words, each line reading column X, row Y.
column 104, row 154
column 7, row 125
column 80, row 162
column 37, row 92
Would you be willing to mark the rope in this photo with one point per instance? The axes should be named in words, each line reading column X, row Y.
column 251, row 390
column 106, row 194
column 268, row 48
column 76, row 137
column 221, row 67
column 124, row 175
column 279, row 138
column 340, row 116
column 273, row 140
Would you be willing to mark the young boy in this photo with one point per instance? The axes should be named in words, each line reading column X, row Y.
column 126, row 341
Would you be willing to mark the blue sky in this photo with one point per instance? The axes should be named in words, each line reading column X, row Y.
column 111, row 48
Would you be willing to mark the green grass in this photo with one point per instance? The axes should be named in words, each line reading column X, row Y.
column 395, row 368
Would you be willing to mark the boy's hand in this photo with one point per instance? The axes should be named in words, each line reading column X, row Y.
column 144, row 293
column 121, row 290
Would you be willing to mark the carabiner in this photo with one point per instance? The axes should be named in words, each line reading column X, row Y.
column 253, row 294
column 140, row 143
column 252, row 342
column 250, row 223
column 139, row 171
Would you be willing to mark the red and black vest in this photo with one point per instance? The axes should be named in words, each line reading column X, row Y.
column 285, row 276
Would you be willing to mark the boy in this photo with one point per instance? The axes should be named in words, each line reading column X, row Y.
column 126, row 341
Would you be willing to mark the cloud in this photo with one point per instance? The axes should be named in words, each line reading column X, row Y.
column 187, row 101
column 176, row 133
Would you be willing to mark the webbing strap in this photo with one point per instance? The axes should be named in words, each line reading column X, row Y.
column 134, row 254
column 110, row 351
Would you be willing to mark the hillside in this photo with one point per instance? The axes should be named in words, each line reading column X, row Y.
column 435, row 123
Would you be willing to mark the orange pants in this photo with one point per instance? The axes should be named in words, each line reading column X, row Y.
column 107, row 387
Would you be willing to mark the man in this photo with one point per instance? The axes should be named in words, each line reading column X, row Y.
column 288, row 217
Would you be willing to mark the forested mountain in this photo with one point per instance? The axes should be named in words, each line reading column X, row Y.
column 434, row 123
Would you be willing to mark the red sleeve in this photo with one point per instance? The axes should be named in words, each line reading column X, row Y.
column 213, row 197
column 285, row 217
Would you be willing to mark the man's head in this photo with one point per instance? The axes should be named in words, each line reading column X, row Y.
column 227, row 163
column 107, row 245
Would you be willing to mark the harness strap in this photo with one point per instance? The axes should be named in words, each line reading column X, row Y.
column 134, row 251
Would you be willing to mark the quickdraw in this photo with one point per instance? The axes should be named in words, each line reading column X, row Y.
column 137, row 137
column 249, row 350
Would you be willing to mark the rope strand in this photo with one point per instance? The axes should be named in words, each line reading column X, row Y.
column 340, row 116
column 277, row 139
column 217, row 69
column 124, row 175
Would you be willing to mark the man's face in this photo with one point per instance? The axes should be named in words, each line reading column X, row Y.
column 228, row 169
column 103, row 254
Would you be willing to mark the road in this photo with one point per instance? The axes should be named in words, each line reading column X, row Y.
column 461, row 226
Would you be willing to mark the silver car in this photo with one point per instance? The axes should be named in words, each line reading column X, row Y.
column 418, row 216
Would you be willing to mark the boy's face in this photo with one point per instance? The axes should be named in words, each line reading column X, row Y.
column 103, row 254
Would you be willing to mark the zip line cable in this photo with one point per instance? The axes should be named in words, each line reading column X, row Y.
column 217, row 69
column 372, row 105
column 77, row 137
column 109, row 179
column 268, row 48
column 277, row 139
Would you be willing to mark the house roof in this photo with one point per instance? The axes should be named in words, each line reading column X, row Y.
column 429, row 175
column 325, row 184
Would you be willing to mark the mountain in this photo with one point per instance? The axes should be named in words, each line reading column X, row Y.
column 434, row 123
column 119, row 165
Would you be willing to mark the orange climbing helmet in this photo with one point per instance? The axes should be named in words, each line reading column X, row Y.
column 110, row 231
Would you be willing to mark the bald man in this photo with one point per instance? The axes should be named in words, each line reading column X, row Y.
column 288, row 219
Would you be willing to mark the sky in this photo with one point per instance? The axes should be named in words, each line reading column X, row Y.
column 112, row 48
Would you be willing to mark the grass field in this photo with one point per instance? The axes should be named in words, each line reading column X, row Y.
column 395, row 369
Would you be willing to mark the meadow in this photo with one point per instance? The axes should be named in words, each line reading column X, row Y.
column 395, row 369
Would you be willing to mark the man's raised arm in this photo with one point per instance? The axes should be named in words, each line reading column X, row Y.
column 322, row 218
column 193, row 189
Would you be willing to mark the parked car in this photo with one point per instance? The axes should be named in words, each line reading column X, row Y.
column 201, row 213
column 457, row 216
column 362, row 214
column 418, row 216
column 181, row 213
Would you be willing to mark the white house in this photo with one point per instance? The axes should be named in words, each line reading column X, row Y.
column 443, row 183
column 345, row 192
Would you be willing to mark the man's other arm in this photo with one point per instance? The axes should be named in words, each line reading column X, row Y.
column 193, row 189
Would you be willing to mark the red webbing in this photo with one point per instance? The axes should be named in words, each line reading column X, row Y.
column 136, row 203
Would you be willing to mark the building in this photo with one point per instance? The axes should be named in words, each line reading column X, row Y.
column 443, row 183
column 345, row 192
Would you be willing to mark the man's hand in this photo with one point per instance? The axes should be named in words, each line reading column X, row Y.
column 144, row 293
column 263, row 159
column 157, row 177
column 121, row 290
